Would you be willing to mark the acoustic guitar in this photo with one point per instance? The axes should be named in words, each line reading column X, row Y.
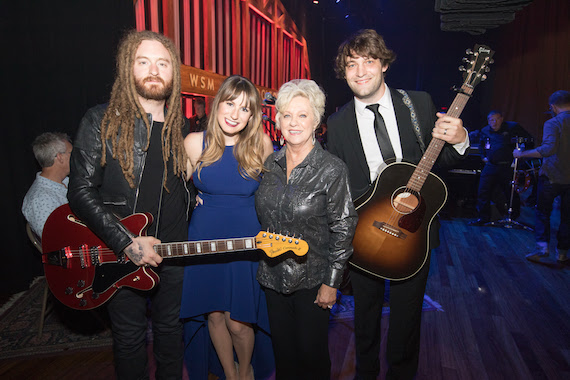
column 83, row 273
column 395, row 216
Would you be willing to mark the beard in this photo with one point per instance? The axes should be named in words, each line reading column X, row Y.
column 156, row 91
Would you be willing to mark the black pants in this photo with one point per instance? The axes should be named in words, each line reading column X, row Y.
column 128, row 314
column 403, row 346
column 299, row 331
column 547, row 191
column 496, row 179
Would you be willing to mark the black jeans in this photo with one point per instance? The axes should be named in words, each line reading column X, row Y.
column 547, row 191
column 128, row 314
column 496, row 178
column 299, row 331
column 403, row 346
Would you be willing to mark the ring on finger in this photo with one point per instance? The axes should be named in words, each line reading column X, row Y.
column 445, row 131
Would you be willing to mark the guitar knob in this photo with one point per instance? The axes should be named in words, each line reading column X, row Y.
column 82, row 303
column 68, row 290
column 95, row 296
column 80, row 283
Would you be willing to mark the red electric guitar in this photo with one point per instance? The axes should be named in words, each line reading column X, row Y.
column 83, row 273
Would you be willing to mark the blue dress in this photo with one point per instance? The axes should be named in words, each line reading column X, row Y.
column 223, row 282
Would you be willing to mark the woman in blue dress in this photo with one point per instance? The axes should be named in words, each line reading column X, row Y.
column 227, row 162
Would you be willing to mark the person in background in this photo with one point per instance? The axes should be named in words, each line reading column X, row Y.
column 129, row 157
column 554, row 178
column 305, row 193
column 198, row 122
column 355, row 136
column 49, row 190
column 497, row 140
column 226, row 162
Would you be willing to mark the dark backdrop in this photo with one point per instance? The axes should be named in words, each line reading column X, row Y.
column 532, row 58
column 58, row 60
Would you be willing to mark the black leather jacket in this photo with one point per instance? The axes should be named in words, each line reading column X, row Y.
column 97, row 195
column 315, row 205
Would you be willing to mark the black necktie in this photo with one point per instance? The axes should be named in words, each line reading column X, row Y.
column 381, row 133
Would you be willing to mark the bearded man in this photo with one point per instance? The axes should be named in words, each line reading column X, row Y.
column 129, row 157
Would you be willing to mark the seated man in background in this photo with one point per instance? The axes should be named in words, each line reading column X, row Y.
column 49, row 190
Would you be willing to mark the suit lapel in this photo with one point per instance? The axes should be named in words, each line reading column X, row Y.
column 354, row 138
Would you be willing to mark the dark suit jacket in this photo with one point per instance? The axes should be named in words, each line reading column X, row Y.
column 344, row 142
column 344, row 138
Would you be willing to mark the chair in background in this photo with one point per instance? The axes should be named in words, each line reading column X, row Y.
column 37, row 242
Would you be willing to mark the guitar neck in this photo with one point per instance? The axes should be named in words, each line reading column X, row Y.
column 189, row 248
column 433, row 150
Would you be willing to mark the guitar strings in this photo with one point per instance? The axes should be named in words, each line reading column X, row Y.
column 423, row 168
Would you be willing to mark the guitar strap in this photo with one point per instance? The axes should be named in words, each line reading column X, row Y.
column 408, row 102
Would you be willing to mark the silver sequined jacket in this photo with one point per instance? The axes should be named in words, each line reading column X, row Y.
column 315, row 205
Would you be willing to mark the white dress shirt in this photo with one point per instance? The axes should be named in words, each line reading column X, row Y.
column 365, row 121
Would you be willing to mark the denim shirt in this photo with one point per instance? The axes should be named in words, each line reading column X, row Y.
column 555, row 149
column 315, row 205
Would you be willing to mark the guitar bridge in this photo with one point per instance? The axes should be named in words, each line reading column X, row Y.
column 389, row 229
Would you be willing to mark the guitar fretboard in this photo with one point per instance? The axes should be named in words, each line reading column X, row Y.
column 205, row 247
column 425, row 165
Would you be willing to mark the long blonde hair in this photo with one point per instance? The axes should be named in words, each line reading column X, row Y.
column 248, row 149
column 118, row 124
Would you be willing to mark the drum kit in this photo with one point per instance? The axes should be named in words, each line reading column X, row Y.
column 522, row 180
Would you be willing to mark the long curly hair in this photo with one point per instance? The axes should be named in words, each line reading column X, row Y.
column 248, row 150
column 117, row 126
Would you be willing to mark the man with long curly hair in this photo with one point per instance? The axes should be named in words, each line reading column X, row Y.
column 129, row 157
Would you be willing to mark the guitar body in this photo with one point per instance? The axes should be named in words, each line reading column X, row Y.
column 83, row 273
column 89, row 277
column 392, row 235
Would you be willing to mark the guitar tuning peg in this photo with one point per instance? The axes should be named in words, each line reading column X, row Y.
column 487, row 69
column 461, row 68
column 491, row 61
column 469, row 51
column 483, row 78
column 466, row 60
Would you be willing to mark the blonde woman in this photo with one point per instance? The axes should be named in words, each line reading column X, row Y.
column 226, row 162
column 304, row 192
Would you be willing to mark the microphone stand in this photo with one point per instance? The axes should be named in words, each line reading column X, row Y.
column 508, row 222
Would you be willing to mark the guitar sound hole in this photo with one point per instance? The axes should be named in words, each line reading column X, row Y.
column 404, row 201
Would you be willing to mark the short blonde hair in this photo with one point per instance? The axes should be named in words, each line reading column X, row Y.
column 300, row 87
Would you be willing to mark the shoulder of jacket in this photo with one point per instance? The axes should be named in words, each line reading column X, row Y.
column 341, row 112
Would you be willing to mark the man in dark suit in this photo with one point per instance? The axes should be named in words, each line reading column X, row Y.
column 355, row 135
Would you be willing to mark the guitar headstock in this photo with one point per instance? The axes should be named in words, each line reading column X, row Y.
column 276, row 244
column 476, row 66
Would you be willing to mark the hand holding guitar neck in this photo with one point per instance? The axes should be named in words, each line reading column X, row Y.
column 141, row 251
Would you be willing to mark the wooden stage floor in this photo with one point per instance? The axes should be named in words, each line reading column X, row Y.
column 503, row 317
